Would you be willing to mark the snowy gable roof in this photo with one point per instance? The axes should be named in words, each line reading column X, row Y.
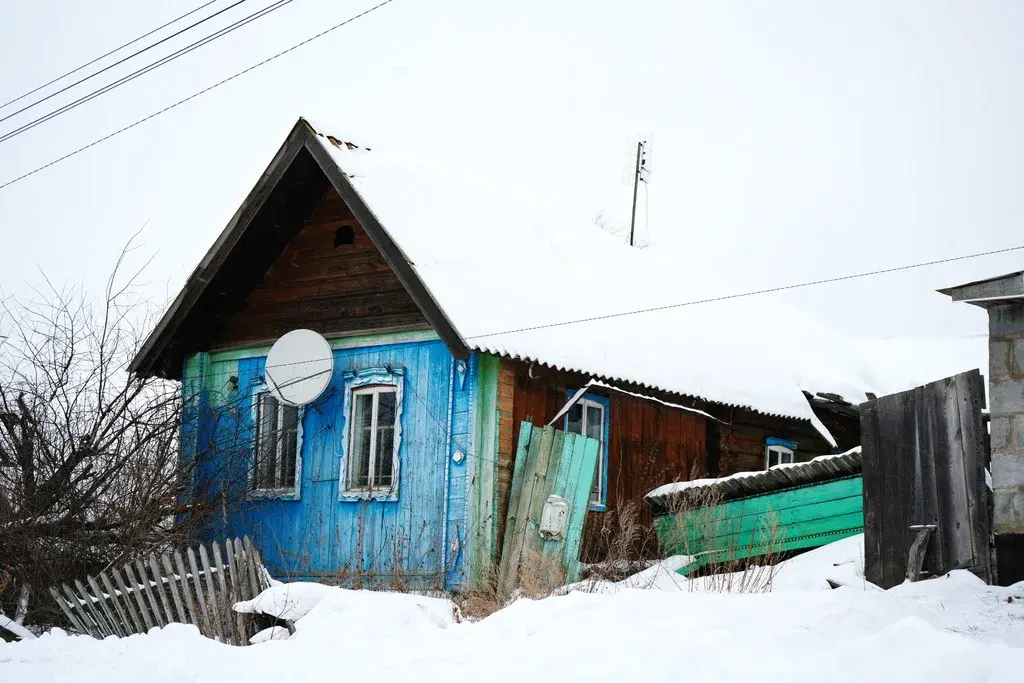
column 520, row 279
column 498, row 272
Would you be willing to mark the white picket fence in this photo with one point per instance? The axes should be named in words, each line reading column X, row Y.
column 171, row 589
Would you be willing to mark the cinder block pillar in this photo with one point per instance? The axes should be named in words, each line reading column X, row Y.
column 1006, row 395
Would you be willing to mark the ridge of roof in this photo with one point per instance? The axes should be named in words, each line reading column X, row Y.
column 495, row 277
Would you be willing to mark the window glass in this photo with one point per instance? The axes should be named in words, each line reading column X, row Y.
column 778, row 455
column 371, row 461
column 362, row 426
column 289, row 445
column 384, row 454
column 595, row 421
column 277, row 444
column 266, row 447
column 574, row 423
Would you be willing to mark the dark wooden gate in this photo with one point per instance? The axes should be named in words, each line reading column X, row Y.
column 924, row 468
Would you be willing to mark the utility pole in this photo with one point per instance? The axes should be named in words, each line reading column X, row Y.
column 641, row 162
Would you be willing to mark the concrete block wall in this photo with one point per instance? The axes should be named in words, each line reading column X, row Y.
column 1006, row 393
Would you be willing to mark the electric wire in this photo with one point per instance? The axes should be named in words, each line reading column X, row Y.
column 727, row 297
column 120, row 61
column 181, row 52
column 756, row 292
column 194, row 95
column 106, row 54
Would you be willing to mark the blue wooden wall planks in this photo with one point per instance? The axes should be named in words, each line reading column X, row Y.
column 418, row 540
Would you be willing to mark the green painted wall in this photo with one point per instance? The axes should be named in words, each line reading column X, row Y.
column 483, row 513
column 793, row 519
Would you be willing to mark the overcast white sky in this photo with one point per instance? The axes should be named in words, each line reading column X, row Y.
column 791, row 140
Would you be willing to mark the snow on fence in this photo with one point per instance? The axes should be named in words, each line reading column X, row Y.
column 171, row 589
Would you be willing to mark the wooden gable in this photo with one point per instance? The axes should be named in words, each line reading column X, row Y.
column 331, row 278
column 303, row 250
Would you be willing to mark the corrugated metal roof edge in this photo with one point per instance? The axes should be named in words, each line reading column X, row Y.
column 819, row 470
column 502, row 353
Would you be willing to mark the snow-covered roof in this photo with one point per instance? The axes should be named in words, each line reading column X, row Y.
column 514, row 276
column 503, row 273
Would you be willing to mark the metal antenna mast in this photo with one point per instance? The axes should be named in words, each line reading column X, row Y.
column 638, row 175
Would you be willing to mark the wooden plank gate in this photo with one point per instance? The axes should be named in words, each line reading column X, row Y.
column 170, row 589
column 551, row 482
column 926, row 501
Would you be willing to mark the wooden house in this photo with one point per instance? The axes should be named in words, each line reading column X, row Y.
column 456, row 310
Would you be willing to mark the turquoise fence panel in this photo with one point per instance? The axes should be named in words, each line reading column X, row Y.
column 764, row 525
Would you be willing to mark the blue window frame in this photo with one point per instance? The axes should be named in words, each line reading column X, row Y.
column 276, row 471
column 371, row 440
column 778, row 452
column 590, row 416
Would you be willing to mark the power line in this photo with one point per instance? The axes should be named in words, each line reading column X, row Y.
column 121, row 61
column 726, row 297
column 756, row 292
column 149, row 67
column 712, row 300
column 106, row 54
column 194, row 95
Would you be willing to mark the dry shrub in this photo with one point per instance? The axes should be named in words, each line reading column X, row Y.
column 624, row 538
column 749, row 566
column 481, row 599
column 539, row 574
column 539, row 577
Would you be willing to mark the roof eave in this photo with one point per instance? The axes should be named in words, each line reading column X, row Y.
column 148, row 360
column 988, row 292
column 389, row 249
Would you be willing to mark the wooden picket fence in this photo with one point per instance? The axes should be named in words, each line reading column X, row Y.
column 171, row 589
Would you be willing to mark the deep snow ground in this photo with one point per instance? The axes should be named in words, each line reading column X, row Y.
column 949, row 629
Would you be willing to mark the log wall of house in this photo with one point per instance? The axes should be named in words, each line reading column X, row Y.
column 331, row 278
column 743, row 440
column 743, row 435
column 649, row 444
column 507, row 429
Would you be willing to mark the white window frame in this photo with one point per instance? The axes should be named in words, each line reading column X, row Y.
column 787, row 456
column 373, row 380
column 293, row 492
column 586, row 403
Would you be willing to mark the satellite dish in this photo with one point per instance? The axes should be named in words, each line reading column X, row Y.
column 299, row 367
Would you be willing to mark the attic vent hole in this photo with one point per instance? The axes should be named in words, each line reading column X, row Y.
column 344, row 235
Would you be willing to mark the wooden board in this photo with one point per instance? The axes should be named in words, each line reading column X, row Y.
column 322, row 286
column 549, row 462
column 154, row 598
column 924, row 458
column 768, row 524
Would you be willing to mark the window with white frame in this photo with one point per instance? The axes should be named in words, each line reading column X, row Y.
column 779, row 452
column 589, row 417
column 373, row 448
column 278, row 431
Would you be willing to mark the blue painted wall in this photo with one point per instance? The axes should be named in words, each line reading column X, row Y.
column 418, row 540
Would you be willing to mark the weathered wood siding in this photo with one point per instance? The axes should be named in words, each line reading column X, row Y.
column 765, row 525
column 742, row 440
column 417, row 540
column 323, row 286
column 649, row 444
column 549, row 463
column 924, row 464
